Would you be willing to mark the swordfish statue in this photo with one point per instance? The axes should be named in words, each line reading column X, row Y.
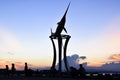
column 57, row 35
column 61, row 25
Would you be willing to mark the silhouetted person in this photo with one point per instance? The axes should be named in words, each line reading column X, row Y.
column 73, row 72
column 82, row 71
column 26, row 69
column 28, row 72
column 13, row 69
column 7, row 70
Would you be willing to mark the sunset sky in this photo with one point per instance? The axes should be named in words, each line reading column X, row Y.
column 94, row 26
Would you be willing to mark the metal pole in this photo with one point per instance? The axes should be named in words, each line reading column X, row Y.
column 54, row 55
column 65, row 49
column 60, row 52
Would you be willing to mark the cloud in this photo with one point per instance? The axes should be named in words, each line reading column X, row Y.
column 18, row 65
column 82, row 57
column 113, row 66
column 115, row 57
column 73, row 60
column 8, row 41
column 10, row 53
column 21, row 65
column 18, row 62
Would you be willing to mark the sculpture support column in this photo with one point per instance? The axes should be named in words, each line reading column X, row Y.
column 60, row 48
column 54, row 55
column 65, row 49
column 60, row 52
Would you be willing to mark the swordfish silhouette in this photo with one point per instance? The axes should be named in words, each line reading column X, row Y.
column 61, row 25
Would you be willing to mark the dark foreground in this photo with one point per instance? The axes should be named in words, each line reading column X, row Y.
column 45, row 75
column 39, row 78
column 58, row 78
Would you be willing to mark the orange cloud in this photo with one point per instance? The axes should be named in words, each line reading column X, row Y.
column 115, row 56
column 18, row 65
column 95, row 64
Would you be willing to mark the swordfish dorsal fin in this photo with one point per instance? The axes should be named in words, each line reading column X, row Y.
column 51, row 30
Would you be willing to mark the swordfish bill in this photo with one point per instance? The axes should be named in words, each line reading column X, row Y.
column 61, row 24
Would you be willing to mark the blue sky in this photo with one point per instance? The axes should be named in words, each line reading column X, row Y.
column 25, row 29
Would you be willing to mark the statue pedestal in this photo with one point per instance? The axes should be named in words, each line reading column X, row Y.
column 60, row 48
